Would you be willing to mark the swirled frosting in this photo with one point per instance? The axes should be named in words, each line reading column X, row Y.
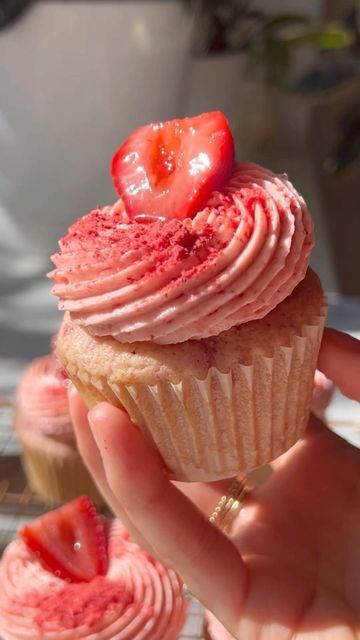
column 138, row 599
column 42, row 400
column 169, row 280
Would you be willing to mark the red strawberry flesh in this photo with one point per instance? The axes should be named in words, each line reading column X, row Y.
column 171, row 168
column 71, row 541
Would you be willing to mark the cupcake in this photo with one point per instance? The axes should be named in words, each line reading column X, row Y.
column 70, row 575
column 190, row 302
column 44, row 429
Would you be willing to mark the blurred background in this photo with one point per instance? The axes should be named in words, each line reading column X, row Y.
column 77, row 77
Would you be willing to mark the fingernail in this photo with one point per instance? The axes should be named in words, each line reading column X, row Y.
column 71, row 389
column 93, row 418
column 92, row 415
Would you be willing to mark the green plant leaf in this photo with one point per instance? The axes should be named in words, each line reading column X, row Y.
column 332, row 36
column 286, row 19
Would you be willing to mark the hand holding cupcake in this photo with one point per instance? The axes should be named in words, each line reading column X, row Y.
column 288, row 564
column 190, row 302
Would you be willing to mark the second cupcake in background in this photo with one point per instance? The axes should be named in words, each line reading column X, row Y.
column 94, row 583
column 44, row 429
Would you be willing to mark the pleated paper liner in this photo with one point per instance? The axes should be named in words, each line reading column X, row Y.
column 230, row 422
column 55, row 470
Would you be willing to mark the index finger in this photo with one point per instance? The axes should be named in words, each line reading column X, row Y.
column 173, row 525
column 339, row 360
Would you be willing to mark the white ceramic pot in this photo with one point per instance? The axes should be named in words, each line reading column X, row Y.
column 76, row 78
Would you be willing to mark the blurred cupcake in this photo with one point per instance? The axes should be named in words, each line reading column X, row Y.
column 190, row 302
column 94, row 583
column 44, row 429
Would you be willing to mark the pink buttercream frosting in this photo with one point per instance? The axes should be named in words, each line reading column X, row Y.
column 42, row 400
column 167, row 280
column 138, row 599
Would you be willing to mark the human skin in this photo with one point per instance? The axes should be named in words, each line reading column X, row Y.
column 291, row 568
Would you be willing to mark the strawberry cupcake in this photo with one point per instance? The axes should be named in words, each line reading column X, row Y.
column 70, row 575
column 44, row 429
column 190, row 302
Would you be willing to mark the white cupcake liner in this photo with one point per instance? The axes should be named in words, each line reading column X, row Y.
column 230, row 422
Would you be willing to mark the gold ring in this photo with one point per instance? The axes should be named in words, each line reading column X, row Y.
column 230, row 504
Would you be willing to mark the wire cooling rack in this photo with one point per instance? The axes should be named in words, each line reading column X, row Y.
column 18, row 505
